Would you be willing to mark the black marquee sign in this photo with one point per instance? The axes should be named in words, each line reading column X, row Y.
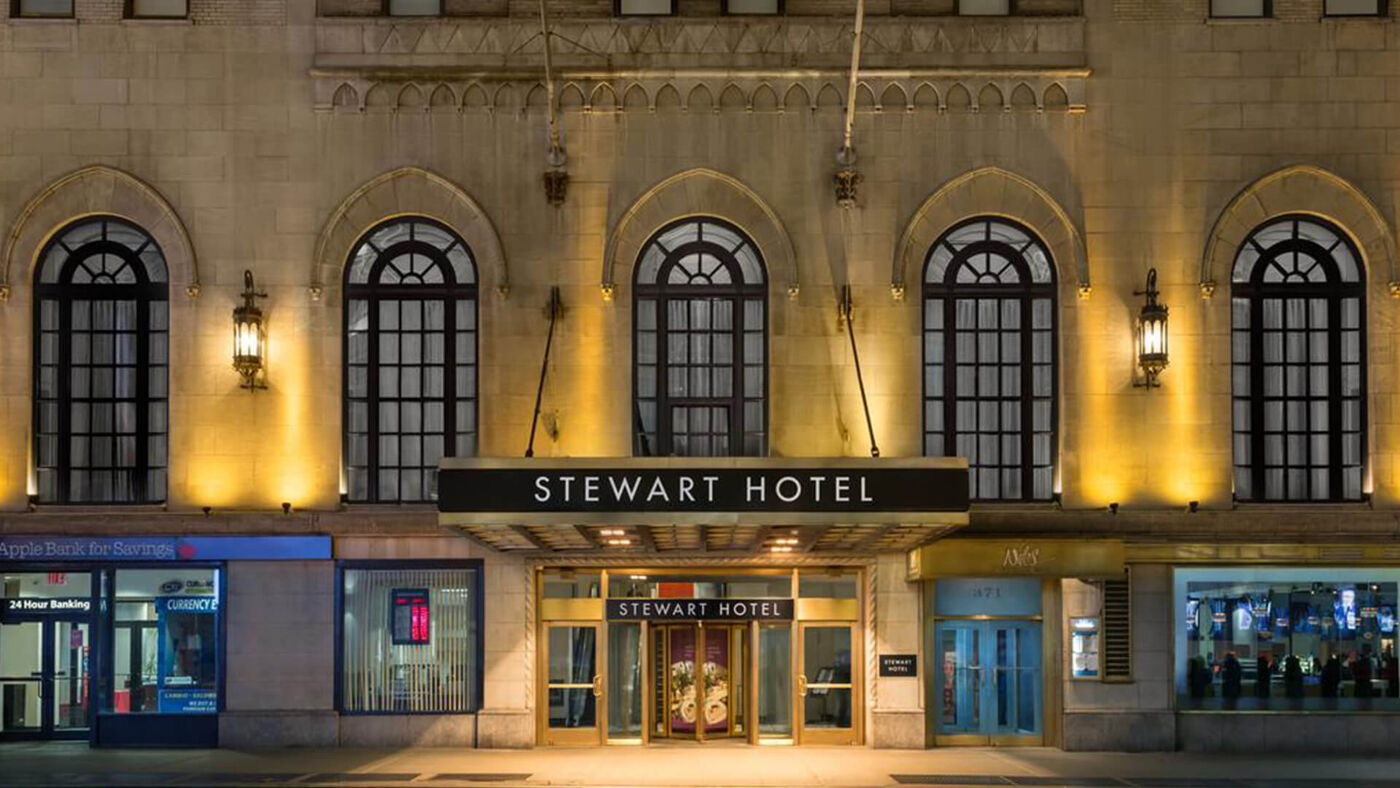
column 703, row 490
column 699, row 609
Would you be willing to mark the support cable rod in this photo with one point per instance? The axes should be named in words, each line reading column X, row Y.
column 846, row 310
column 554, row 310
column 555, row 150
column 855, row 70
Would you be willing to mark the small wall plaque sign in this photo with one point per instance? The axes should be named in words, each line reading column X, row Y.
column 899, row 665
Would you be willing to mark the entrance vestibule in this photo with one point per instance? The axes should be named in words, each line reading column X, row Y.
column 792, row 676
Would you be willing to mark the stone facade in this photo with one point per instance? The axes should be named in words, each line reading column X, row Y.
column 1128, row 134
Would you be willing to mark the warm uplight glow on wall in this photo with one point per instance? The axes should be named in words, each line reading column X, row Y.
column 1179, row 468
column 892, row 380
column 1099, row 357
column 590, row 368
column 291, row 464
column 257, row 451
column 31, row 479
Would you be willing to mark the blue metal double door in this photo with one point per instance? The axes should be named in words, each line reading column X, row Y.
column 990, row 686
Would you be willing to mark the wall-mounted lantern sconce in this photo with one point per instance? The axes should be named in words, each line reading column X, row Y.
column 249, row 338
column 1151, row 335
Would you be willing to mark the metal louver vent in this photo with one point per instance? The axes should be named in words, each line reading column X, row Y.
column 1117, row 631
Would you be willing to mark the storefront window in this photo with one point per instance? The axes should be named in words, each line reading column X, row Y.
column 411, row 639
column 1287, row 638
column 626, row 688
column 777, row 586
column 166, row 641
column 828, row 585
column 775, row 680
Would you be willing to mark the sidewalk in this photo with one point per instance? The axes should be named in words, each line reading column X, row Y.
column 680, row 766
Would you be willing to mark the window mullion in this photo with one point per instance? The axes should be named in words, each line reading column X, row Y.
column 950, row 376
column 1335, row 398
column 372, row 399
column 63, row 423
column 1257, row 437
column 737, row 393
column 144, row 337
column 1027, row 394
column 449, row 377
column 663, row 372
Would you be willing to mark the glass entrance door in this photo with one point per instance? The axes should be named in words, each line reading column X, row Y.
column 135, row 655
column 826, row 685
column 989, row 675
column 699, row 682
column 574, row 696
column 45, row 680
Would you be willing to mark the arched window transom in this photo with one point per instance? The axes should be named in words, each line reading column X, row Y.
column 990, row 385
column 101, row 365
column 701, row 343
column 410, row 359
column 1298, row 363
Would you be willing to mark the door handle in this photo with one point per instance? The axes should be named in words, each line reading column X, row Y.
column 801, row 684
column 597, row 686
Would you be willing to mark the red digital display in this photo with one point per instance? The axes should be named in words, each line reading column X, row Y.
column 410, row 619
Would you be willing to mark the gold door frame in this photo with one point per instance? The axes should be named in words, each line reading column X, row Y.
column 703, row 631
column 802, row 682
column 591, row 611
column 591, row 735
column 1051, row 669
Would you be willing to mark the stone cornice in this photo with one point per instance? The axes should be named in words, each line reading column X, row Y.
column 405, row 88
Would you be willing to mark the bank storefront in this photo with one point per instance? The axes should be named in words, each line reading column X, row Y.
column 709, row 600
column 121, row 640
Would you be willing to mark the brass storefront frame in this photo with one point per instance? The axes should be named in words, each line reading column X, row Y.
column 808, row 611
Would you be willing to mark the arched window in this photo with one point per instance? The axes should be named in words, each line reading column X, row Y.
column 410, row 359
column 1298, row 363
column 701, row 346
column 101, row 365
column 990, row 388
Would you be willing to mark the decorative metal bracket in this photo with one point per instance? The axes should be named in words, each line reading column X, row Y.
column 847, row 177
column 556, row 185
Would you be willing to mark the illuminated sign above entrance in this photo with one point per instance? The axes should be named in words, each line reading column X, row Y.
column 703, row 490
column 699, row 609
